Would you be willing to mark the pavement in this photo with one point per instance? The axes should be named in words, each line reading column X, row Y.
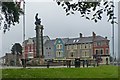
column 16, row 67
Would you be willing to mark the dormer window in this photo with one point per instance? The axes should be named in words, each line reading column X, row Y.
column 74, row 41
column 77, row 40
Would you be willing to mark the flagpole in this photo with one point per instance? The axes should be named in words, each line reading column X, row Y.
column 24, row 20
column 24, row 31
column 113, row 35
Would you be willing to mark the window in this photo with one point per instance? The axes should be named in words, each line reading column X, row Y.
column 75, row 46
column 85, row 46
column 89, row 45
column 59, row 46
column 70, row 47
column 72, row 54
column 85, row 54
column 74, row 41
column 101, row 51
column 59, row 54
column 96, row 51
column 48, row 54
column 107, row 52
column 67, row 47
column 80, row 46
column 98, row 43
column 77, row 40
column 107, row 43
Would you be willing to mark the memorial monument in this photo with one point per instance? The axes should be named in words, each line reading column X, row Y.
column 39, row 40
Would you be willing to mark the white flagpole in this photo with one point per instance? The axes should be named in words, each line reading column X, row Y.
column 24, row 31
column 113, row 36
column 24, row 20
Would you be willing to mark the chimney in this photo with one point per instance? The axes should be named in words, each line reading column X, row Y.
column 80, row 35
column 105, row 37
column 94, row 35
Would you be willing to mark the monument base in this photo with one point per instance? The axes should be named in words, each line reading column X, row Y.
column 41, row 61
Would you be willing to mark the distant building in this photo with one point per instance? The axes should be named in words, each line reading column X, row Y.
column 101, row 48
column 80, row 47
column 29, row 47
column 60, row 48
column 55, row 49
column 11, row 60
column 85, row 48
column 49, row 49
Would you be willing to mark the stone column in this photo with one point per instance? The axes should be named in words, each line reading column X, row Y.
column 39, row 42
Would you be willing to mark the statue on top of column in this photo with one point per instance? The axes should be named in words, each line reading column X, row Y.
column 38, row 20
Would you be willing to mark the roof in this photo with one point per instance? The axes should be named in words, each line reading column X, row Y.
column 85, row 40
column 65, row 40
column 78, row 40
column 72, row 40
column 100, row 38
column 34, row 39
column 49, row 42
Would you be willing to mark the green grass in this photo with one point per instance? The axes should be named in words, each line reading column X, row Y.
column 97, row 72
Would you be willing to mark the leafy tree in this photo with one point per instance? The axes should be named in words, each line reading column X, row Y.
column 86, row 8
column 11, row 11
column 16, row 49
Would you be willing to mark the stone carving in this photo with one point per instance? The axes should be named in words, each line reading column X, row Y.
column 38, row 20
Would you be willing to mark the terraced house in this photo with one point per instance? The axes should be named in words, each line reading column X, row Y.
column 55, row 49
column 85, row 48
column 29, row 47
column 80, row 47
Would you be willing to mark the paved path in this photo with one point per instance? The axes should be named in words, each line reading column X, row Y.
column 16, row 67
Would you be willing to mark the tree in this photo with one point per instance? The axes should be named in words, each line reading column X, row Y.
column 11, row 11
column 86, row 8
column 96, row 8
column 16, row 50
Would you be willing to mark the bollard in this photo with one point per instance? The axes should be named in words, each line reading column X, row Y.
column 83, row 63
column 47, row 64
column 69, row 64
column 87, row 63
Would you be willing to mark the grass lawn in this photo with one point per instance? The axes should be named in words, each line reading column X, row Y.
column 97, row 72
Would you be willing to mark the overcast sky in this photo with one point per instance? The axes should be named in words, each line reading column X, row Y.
column 56, row 24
